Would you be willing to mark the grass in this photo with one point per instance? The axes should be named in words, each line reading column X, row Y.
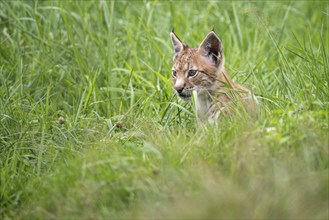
column 90, row 126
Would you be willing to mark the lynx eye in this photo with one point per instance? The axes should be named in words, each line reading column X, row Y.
column 174, row 73
column 192, row 73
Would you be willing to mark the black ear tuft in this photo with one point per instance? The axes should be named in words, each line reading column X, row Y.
column 211, row 48
column 173, row 31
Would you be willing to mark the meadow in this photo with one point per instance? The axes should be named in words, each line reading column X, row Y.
column 90, row 126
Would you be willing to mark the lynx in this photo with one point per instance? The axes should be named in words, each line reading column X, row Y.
column 200, row 72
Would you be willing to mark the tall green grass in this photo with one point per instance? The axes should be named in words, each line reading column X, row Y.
column 90, row 126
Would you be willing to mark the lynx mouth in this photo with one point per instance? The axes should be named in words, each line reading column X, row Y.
column 186, row 94
column 185, row 97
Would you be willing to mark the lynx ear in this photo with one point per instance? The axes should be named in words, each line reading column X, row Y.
column 177, row 43
column 211, row 48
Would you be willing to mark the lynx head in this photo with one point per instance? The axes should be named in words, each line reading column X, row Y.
column 196, row 69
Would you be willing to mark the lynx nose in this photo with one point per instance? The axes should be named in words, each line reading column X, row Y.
column 180, row 90
column 179, row 86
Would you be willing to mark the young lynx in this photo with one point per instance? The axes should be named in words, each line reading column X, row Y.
column 201, row 71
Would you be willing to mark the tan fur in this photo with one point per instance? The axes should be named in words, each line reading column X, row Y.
column 216, row 92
